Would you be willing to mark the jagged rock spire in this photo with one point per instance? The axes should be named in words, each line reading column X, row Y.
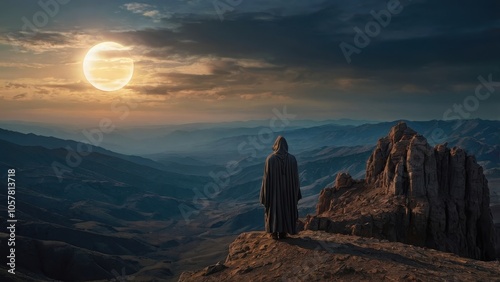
column 442, row 197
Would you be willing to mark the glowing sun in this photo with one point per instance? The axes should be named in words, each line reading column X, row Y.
column 108, row 66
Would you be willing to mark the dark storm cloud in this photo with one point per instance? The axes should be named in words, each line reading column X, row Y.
column 428, row 52
column 455, row 33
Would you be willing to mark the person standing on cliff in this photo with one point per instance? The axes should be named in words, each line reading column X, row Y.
column 280, row 191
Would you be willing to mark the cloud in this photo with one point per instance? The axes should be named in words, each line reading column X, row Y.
column 264, row 96
column 48, row 41
column 20, row 96
column 46, row 88
column 34, row 41
column 146, row 10
column 11, row 85
column 79, row 86
column 22, row 65
column 411, row 62
column 312, row 40
column 310, row 43
column 273, row 51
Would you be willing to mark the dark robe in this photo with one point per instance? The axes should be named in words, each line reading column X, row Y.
column 280, row 190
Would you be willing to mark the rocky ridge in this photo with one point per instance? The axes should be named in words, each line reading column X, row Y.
column 416, row 194
column 416, row 202
column 321, row 256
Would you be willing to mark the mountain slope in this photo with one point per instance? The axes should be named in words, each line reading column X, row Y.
column 105, row 215
column 31, row 139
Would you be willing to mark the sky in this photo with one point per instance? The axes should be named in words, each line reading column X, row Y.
column 228, row 60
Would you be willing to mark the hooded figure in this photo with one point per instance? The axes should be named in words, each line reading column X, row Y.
column 280, row 191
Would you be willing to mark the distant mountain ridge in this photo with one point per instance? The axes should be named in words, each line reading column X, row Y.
column 31, row 139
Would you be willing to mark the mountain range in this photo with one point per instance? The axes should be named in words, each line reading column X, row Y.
column 139, row 202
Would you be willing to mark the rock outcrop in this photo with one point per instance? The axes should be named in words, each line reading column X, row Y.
column 416, row 194
column 320, row 256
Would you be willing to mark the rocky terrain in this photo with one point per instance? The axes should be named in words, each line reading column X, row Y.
column 119, row 214
column 321, row 256
column 416, row 194
column 422, row 214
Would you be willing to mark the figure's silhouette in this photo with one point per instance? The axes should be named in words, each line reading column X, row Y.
column 280, row 191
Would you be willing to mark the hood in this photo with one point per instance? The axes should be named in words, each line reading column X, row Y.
column 280, row 146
